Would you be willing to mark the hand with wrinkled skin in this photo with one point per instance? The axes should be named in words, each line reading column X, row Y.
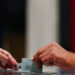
column 6, row 60
column 54, row 54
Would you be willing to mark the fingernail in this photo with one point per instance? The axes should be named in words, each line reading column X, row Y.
column 15, row 66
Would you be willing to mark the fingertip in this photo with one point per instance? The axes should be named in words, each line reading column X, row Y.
column 15, row 67
column 13, row 61
column 33, row 59
column 16, row 62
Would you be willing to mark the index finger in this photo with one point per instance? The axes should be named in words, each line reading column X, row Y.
column 10, row 57
column 41, row 50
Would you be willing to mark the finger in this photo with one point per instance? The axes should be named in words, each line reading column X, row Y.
column 38, row 53
column 1, row 65
column 47, row 60
column 44, row 54
column 35, row 57
column 9, row 65
column 37, row 60
column 3, row 59
column 9, row 56
column 3, row 51
column 54, row 44
column 12, row 60
column 15, row 67
column 41, row 50
column 2, row 56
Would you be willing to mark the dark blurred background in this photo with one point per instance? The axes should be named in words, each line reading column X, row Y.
column 12, row 26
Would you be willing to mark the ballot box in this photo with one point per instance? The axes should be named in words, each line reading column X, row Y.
column 27, row 67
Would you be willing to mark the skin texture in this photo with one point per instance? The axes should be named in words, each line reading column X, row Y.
column 54, row 54
column 7, row 60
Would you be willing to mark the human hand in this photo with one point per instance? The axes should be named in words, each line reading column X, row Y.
column 54, row 54
column 6, row 60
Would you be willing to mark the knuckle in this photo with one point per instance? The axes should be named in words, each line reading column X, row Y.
column 8, row 53
column 54, row 44
column 39, row 50
column 52, row 49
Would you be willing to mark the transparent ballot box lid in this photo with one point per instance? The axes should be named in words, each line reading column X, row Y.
column 19, row 72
